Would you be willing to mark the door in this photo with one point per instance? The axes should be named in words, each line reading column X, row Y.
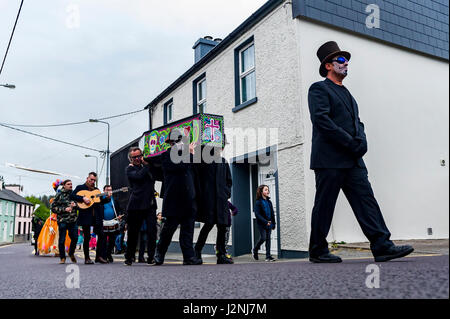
column 5, row 231
column 266, row 176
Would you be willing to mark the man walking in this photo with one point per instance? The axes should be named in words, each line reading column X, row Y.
column 92, row 216
column 180, row 193
column 66, row 212
column 141, row 206
column 338, row 145
column 216, row 183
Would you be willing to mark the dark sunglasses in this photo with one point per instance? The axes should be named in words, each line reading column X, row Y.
column 136, row 157
column 340, row 60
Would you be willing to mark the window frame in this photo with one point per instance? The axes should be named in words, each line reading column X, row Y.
column 239, row 75
column 244, row 74
column 168, row 104
column 195, row 91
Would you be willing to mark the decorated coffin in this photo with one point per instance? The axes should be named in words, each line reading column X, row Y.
column 202, row 129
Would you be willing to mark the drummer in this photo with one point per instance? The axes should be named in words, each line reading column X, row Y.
column 110, row 213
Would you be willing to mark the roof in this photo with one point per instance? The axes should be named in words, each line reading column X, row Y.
column 418, row 25
column 256, row 17
column 13, row 197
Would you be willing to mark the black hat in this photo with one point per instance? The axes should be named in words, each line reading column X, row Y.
column 175, row 135
column 328, row 51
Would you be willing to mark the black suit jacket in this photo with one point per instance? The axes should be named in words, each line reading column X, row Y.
column 338, row 139
column 142, row 187
column 180, row 187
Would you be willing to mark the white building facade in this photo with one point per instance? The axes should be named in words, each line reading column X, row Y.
column 258, row 78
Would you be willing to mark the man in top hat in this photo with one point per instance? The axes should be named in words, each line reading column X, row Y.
column 338, row 145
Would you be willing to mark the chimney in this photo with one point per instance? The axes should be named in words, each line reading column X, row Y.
column 203, row 46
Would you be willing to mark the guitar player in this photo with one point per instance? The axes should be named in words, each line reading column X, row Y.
column 92, row 216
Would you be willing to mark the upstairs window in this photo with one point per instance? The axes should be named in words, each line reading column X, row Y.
column 168, row 112
column 245, row 75
column 201, row 97
column 199, row 94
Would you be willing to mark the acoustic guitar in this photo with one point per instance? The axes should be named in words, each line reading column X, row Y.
column 95, row 195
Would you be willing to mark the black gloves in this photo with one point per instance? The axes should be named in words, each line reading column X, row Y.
column 358, row 146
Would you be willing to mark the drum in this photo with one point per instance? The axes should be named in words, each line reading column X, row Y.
column 110, row 226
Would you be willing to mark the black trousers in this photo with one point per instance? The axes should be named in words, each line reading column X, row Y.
column 220, row 239
column 265, row 233
column 72, row 228
column 86, row 240
column 134, row 221
column 110, row 243
column 186, row 224
column 356, row 186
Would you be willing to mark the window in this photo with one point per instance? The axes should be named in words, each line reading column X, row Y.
column 168, row 112
column 245, row 75
column 199, row 94
column 18, row 228
column 201, row 103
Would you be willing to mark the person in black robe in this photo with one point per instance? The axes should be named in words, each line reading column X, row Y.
column 179, row 193
column 215, row 183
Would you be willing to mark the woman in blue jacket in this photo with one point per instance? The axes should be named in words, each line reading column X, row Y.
column 265, row 218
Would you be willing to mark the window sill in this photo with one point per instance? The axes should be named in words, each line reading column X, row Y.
column 244, row 105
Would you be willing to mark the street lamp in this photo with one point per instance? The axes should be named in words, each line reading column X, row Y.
column 107, row 150
column 9, row 86
column 96, row 165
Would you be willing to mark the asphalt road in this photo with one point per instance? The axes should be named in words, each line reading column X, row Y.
column 23, row 275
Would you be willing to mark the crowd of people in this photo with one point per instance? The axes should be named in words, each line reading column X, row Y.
column 190, row 194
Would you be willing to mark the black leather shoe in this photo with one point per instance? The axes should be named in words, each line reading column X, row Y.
column 88, row 262
column 394, row 252
column 198, row 254
column 193, row 261
column 325, row 258
column 128, row 262
column 110, row 259
column 159, row 259
column 101, row 260
column 255, row 254
column 222, row 259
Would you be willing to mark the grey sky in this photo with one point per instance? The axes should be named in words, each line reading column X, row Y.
column 115, row 58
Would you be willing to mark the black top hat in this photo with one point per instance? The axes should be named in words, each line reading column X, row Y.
column 174, row 136
column 328, row 51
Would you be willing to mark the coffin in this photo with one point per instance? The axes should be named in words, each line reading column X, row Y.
column 202, row 129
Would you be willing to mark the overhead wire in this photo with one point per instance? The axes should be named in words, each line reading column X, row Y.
column 72, row 123
column 10, row 39
column 51, row 139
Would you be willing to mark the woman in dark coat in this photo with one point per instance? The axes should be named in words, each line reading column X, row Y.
column 215, row 184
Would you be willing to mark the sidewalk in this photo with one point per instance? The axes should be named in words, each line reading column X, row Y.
column 421, row 246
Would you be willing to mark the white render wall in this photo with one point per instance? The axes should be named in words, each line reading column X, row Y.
column 403, row 100
column 277, row 90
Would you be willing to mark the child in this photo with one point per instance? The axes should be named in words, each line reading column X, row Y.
column 80, row 238
column 93, row 242
column 265, row 218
